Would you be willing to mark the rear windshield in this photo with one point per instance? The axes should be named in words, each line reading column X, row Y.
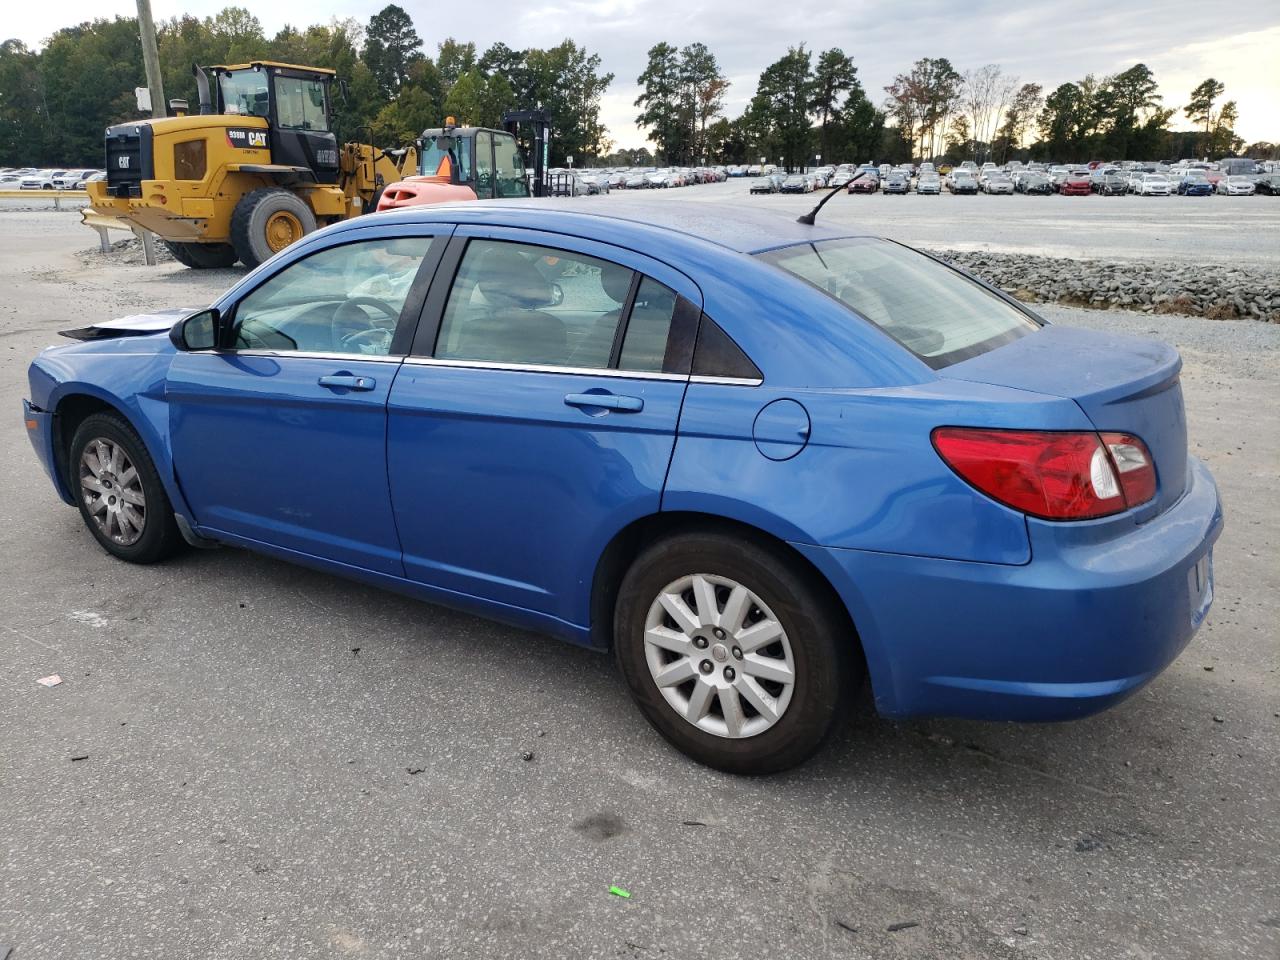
column 938, row 314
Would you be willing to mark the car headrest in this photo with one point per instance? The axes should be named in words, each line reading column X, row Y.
column 616, row 282
column 508, row 279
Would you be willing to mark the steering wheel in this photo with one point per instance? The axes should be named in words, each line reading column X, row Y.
column 353, row 327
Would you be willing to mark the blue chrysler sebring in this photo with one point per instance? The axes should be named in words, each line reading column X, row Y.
column 757, row 459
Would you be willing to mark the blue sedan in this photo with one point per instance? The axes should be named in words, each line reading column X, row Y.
column 758, row 460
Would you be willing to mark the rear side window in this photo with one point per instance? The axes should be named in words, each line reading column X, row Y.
column 526, row 304
column 644, row 347
column 938, row 314
column 529, row 305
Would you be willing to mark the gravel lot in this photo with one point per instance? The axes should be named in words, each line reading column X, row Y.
column 280, row 763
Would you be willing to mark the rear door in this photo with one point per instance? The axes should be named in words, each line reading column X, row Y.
column 537, row 413
column 280, row 436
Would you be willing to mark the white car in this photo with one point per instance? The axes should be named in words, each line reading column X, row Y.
column 1237, row 186
column 40, row 180
column 69, row 178
column 995, row 183
column 1154, row 185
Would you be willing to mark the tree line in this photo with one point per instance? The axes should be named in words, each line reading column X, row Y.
column 805, row 108
column 55, row 102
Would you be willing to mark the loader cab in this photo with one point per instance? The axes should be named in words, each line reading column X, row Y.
column 487, row 161
column 295, row 102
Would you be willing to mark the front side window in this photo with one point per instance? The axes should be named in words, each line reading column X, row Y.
column 938, row 314
column 300, row 104
column 437, row 150
column 245, row 93
column 345, row 299
column 526, row 304
column 509, row 167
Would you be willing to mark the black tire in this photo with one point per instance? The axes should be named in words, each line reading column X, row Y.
column 250, row 218
column 823, row 648
column 160, row 536
column 202, row 256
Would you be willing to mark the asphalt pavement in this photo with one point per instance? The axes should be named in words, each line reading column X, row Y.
column 278, row 763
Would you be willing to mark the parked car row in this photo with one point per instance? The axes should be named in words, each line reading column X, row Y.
column 1149, row 180
column 52, row 178
column 602, row 180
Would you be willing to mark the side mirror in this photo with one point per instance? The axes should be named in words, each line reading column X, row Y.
column 197, row 332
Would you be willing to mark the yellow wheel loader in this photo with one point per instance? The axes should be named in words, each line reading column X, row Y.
column 256, row 169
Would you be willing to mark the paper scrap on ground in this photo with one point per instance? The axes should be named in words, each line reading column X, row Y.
column 50, row 681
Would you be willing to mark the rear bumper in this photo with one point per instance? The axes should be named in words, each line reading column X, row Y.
column 1074, row 631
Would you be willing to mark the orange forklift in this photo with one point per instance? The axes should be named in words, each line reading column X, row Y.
column 475, row 163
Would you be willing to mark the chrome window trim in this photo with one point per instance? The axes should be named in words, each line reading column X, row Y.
column 546, row 368
column 727, row 381
column 306, row 355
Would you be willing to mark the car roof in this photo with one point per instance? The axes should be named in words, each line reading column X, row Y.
column 737, row 228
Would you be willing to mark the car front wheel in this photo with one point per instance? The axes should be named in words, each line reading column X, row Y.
column 119, row 492
column 734, row 655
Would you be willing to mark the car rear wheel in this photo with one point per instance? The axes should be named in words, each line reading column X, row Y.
column 734, row 656
column 119, row 493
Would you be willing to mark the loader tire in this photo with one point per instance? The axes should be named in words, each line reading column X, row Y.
column 266, row 221
column 202, row 256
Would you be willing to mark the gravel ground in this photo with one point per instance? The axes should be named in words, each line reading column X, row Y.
column 1219, row 294
column 251, row 786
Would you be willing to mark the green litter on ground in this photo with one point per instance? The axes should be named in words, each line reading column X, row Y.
column 619, row 892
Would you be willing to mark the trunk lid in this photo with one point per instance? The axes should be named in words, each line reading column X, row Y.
column 1122, row 383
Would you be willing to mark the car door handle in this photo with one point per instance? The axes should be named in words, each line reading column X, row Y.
column 607, row 401
column 347, row 381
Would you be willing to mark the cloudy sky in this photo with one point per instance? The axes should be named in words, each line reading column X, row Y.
column 1045, row 41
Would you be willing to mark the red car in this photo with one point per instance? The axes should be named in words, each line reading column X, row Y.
column 1076, row 185
column 864, row 183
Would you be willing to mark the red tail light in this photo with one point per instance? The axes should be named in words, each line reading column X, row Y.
column 1057, row 476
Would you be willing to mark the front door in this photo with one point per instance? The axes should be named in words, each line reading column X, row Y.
column 537, row 416
column 300, row 135
column 280, row 437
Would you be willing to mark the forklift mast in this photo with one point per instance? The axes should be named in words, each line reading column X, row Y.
column 540, row 119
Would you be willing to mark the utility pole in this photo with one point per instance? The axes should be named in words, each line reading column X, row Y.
column 151, row 58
